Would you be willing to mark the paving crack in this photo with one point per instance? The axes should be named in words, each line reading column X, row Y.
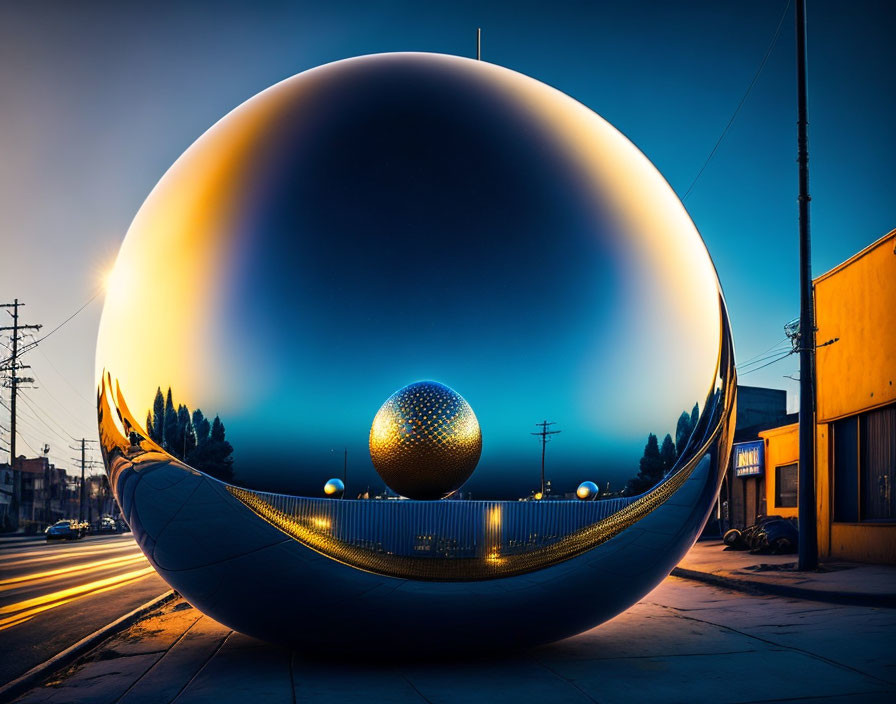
column 767, row 641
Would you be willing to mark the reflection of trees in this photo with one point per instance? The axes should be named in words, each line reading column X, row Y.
column 190, row 437
column 658, row 460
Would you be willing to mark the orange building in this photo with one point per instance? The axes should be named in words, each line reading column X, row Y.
column 856, row 412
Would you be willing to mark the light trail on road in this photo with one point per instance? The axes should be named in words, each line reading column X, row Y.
column 9, row 560
column 42, row 577
column 25, row 610
column 54, row 593
column 38, row 577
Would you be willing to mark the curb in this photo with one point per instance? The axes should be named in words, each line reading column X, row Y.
column 39, row 673
column 886, row 601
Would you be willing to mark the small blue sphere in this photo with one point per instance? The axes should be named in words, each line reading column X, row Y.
column 587, row 491
column 334, row 488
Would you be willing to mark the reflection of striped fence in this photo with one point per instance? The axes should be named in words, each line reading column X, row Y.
column 442, row 529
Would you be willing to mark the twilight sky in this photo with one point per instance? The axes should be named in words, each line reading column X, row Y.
column 99, row 99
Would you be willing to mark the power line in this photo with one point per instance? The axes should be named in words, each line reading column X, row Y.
column 31, row 345
column 39, row 416
column 777, row 344
column 33, row 451
column 91, row 404
column 777, row 359
column 25, row 421
column 741, row 103
column 84, row 442
column 764, row 358
column 76, row 419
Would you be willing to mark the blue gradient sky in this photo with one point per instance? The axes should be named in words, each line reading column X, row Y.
column 99, row 99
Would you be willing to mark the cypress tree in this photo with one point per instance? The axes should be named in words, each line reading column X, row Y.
column 158, row 417
column 667, row 453
column 651, row 463
column 219, row 460
column 201, row 427
column 170, row 427
column 185, row 438
column 682, row 432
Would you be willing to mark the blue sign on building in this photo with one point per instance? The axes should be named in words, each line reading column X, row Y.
column 749, row 458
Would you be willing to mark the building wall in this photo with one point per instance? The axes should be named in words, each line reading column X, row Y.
column 743, row 498
column 782, row 447
column 855, row 302
column 756, row 405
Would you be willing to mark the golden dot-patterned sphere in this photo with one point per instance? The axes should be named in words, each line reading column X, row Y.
column 425, row 441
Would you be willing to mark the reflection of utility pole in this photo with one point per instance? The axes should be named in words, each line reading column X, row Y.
column 13, row 381
column 545, row 438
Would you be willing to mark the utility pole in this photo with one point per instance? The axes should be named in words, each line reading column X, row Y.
column 46, row 450
column 13, row 367
column 479, row 44
column 344, row 465
column 808, row 541
column 83, row 487
column 81, row 495
column 545, row 438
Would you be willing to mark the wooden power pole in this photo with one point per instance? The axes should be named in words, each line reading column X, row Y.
column 12, row 368
column 545, row 438
column 808, row 541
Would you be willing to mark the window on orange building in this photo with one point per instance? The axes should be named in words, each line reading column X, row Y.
column 864, row 464
column 786, row 485
column 877, row 441
column 845, row 454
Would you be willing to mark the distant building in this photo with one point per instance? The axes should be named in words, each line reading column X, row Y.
column 98, row 498
column 855, row 478
column 743, row 494
column 43, row 492
column 7, row 488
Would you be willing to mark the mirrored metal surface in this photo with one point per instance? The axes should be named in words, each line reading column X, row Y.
column 398, row 217
column 391, row 218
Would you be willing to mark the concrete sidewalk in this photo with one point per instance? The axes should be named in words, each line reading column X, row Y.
column 835, row 582
column 685, row 642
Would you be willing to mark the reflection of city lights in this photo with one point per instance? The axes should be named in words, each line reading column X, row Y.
column 321, row 523
column 494, row 516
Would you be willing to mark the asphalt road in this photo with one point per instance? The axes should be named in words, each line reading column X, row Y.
column 54, row 594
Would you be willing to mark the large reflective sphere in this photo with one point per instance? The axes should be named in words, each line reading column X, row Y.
column 397, row 217
column 425, row 441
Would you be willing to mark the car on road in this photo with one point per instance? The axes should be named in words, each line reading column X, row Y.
column 108, row 524
column 66, row 530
